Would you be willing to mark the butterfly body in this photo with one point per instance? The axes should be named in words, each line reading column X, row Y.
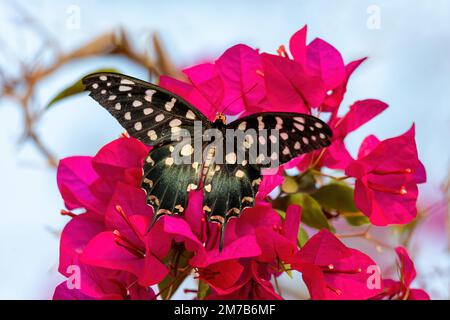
column 191, row 153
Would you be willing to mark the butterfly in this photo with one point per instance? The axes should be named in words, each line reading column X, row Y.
column 162, row 119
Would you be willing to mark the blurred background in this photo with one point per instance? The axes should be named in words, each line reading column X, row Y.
column 407, row 42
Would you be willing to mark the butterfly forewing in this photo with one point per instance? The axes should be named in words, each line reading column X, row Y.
column 148, row 112
column 286, row 135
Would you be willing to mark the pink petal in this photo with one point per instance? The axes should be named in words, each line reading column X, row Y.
column 268, row 184
column 408, row 271
column 121, row 160
column 103, row 251
column 292, row 222
column 206, row 79
column 62, row 292
column 418, row 294
column 75, row 176
column 132, row 201
column 74, row 238
column 297, row 45
column 243, row 86
column 367, row 146
column 283, row 79
column 333, row 100
column 323, row 59
column 360, row 113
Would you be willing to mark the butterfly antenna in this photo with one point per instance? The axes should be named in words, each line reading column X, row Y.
column 237, row 98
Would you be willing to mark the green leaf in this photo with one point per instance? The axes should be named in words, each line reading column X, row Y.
column 74, row 89
column 306, row 182
column 302, row 237
column 312, row 214
column 203, row 290
column 169, row 285
column 336, row 196
column 356, row 219
column 289, row 185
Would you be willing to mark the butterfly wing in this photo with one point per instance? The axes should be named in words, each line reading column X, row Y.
column 296, row 134
column 167, row 183
column 156, row 117
column 148, row 112
column 228, row 187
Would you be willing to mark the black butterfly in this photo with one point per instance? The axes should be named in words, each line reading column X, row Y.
column 154, row 116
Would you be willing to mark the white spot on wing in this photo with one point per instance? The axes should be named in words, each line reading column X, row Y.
column 299, row 126
column 152, row 135
column 137, row 103
column 190, row 115
column 260, row 123
column 239, row 174
column 187, row 150
column 279, row 124
column 169, row 105
column 138, row 126
column 124, row 88
column 149, row 95
column 175, row 123
column 147, row 111
column 126, row 81
column 159, row 117
column 230, row 158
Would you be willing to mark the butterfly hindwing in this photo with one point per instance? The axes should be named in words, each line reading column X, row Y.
column 167, row 183
column 148, row 112
column 229, row 189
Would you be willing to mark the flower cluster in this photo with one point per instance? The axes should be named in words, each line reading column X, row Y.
column 116, row 257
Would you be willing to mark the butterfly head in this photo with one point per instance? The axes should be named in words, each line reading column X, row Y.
column 220, row 119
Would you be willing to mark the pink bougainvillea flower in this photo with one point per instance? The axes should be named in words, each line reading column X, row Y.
column 240, row 68
column 88, row 182
column 387, row 174
column 401, row 290
column 230, row 85
column 336, row 156
column 93, row 282
column 259, row 234
column 318, row 58
column 222, row 270
column 361, row 112
column 303, row 82
column 121, row 160
column 255, row 285
column 333, row 271
column 114, row 250
column 249, row 278
column 335, row 96
column 289, row 89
